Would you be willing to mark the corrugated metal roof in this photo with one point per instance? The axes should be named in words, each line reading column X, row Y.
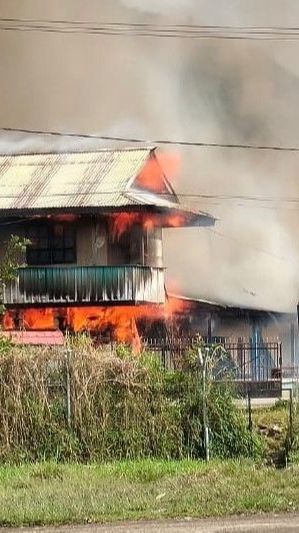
column 34, row 183
column 38, row 338
column 45, row 181
column 151, row 199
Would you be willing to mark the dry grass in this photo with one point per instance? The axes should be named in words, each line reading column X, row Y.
column 122, row 407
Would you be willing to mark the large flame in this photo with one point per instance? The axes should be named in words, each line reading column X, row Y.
column 152, row 176
column 119, row 322
column 120, row 223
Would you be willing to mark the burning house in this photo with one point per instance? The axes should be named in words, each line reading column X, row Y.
column 94, row 225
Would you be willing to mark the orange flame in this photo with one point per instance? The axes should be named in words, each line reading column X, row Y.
column 123, row 222
column 119, row 322
column 152, row 175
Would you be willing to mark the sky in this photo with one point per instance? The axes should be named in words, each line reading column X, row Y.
column 181, row 89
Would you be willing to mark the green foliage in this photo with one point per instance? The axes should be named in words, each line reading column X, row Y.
column 214, row 356
column 291, row 447
column 12, row 259
column 5, row 345
column 230, row 437
column 122, row 407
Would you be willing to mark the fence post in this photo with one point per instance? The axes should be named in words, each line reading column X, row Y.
column 291, row 418
column 68, row 354
column 203, row 360
column 205, row 418
column 249, row 411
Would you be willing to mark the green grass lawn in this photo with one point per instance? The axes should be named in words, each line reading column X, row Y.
column 51, row 493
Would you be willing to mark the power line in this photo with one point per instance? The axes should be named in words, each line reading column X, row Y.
column 160, row 141
column 179, row 206
column 150, row 30
column 217, row 233
column 166, row 194
column 145, row 24
column 253, row 247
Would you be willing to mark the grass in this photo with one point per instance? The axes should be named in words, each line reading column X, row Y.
column 277, row 415
column 52, row 493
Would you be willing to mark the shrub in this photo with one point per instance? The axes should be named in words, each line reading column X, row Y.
column 122, row 407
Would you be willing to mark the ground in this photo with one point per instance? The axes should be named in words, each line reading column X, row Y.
column 256, row 524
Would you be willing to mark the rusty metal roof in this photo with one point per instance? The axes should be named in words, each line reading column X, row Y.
column 79, row 180
column 66, row 180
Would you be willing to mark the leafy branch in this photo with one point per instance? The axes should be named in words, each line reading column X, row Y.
column 12, row 259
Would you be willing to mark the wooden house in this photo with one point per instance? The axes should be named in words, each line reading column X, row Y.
column 94, row 224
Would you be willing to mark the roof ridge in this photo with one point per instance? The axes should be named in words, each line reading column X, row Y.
column 75, row 152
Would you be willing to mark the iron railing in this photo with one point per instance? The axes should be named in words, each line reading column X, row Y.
column 246, row 363
column 86, row 284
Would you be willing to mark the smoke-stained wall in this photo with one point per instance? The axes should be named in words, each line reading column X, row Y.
column 202, row 90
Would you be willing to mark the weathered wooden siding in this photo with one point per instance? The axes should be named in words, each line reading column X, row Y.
column 95, row 247
column 154, row 248
column 92, row 242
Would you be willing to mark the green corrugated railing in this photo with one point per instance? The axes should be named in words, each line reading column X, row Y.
column 86, row 284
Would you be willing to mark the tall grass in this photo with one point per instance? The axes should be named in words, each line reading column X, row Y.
column 122, row 407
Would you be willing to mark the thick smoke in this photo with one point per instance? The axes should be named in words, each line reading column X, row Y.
column 161, row 6
column 218, row 91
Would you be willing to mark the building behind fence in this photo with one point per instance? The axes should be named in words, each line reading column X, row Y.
column 251, row 366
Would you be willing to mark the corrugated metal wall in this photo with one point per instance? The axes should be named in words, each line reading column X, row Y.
column 52, row 285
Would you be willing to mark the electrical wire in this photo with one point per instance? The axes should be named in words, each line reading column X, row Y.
column 196, row 196
column 215, row 232
column 136, row 140
column 190, row 31
column 166, row 194
column 253, row 247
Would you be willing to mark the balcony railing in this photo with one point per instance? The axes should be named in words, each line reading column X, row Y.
column 85, row 285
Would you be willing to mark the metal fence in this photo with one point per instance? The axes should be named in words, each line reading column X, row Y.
column 256, row 362
column 253, row 366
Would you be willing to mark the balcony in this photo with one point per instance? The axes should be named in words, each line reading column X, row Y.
column 74, row 285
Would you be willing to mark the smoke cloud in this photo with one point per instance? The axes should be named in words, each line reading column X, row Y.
column 214, row 91
column 161, row 6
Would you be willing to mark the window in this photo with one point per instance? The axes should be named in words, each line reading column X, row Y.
column 51, row 244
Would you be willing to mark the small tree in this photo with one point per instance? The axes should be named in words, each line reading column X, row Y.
column 12, row 259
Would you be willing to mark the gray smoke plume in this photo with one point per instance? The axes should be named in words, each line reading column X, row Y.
column 161, row 6
column 214, row 91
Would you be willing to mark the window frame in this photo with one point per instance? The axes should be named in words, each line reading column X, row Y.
column 45, row 249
